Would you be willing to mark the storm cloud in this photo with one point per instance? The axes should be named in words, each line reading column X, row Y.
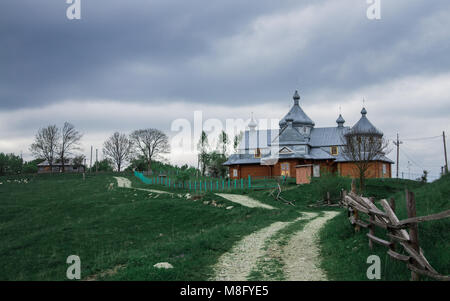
column 227, row 58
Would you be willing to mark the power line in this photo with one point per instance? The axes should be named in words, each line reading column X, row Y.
column 423, row 138
column 404, row 153
column 418, row 139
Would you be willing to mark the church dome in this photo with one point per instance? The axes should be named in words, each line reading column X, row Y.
column 296, row 115
column 364, row 126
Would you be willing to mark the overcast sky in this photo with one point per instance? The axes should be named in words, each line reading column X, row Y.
column 136, row 64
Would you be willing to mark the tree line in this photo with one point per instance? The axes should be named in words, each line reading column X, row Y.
column 57, row 145
column 141, row 149
column 210, row 159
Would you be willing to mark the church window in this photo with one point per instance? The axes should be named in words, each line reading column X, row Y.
column 258, row 153
column 334, row 150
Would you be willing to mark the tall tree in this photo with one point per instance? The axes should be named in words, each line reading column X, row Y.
column 150, row 143
column 46, row 143
column 70, row 141
column 237, row 139
column 203, row 156
column 118, row 148
column 223, row 142
column 363, row 147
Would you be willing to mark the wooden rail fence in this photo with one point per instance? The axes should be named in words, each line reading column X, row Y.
column 396, row 230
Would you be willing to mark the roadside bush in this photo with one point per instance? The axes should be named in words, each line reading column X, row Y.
column 331, row 183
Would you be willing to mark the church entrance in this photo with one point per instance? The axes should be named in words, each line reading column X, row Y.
column 285, row 170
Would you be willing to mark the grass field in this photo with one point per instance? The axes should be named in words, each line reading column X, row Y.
column 121, row 234
column 54, row 216
column 344, row 253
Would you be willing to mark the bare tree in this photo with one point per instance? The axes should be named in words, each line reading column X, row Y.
column 45, row 144
column 118, row 148
column 150, row 143
column 363, row 147
column 70, row 141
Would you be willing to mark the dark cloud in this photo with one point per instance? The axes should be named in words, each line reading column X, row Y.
column 146, row 50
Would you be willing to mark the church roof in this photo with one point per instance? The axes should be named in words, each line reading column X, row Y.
column 364, row 126
column 327, row 136
column 296, row 115
column 340, row 121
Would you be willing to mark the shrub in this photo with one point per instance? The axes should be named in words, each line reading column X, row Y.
column 331, row 183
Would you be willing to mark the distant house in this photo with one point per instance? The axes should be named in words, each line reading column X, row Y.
column 301, row 150
column 69, row 167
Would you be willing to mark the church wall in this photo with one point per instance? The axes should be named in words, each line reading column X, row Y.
column 346, row 169
column 375, row 170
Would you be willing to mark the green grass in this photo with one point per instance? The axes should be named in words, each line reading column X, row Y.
column 344, row 253
column 54, row 216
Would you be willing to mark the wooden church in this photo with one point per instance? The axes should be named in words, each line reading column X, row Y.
column 301, row 150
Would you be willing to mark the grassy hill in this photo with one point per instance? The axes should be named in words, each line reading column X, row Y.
column 121, row 234
column 345, row 252
column 118, row 234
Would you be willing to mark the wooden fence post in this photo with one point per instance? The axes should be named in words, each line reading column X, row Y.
column 392, row 205
column 371, row 226
column 353, row 186
column 413, row 229
column 355, row 212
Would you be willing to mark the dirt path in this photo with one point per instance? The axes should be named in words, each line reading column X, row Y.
column 237, row 264
column 244, row 201
column 301, row 255
column 125, row 183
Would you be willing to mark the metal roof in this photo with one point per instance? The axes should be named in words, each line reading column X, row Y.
column 364, row 126
column 45, row 163
column 340, row 121
column 327, row 136
column 296, row 115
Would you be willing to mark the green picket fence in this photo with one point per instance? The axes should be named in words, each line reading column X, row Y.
column 204, row 185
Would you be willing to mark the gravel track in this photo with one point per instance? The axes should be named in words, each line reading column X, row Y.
column 125, row 183
column 301, row 254
column 237, row 264
column 244, row 201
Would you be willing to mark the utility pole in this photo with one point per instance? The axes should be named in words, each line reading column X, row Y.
column 96, row 160
column 397, row 143
column 445, row 153
column 409, row 170
column 90, row 165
